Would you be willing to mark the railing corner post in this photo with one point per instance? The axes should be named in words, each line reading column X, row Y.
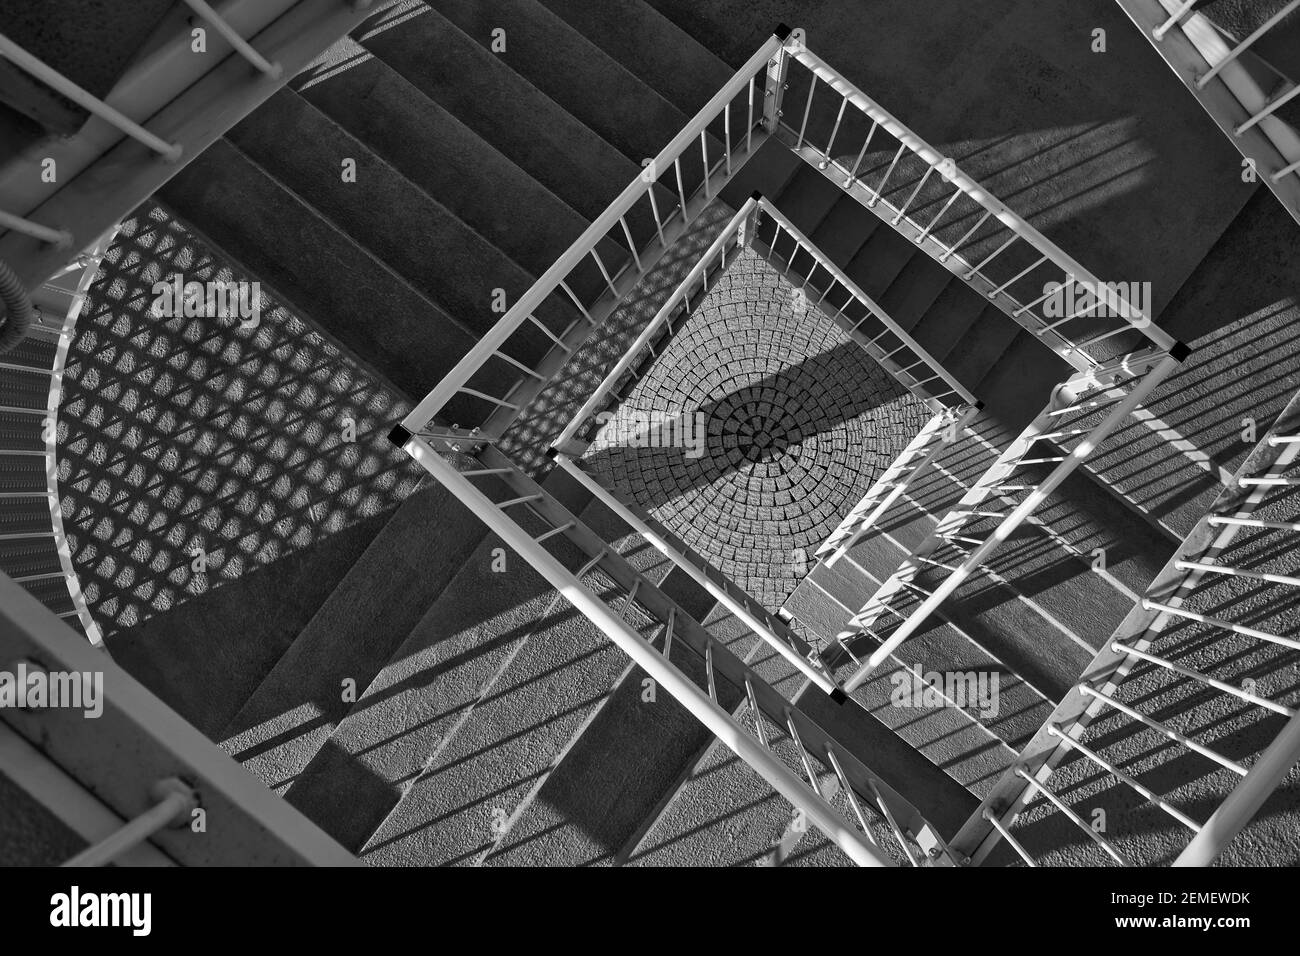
column 777, row 69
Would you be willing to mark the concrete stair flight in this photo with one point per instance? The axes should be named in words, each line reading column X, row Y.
column 437, row 710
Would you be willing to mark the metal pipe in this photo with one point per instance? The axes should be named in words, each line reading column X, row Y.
column 1246, row 43
column 1081, row 452
column 529, row 302
column 19, row 313
column 272, row 70
column 718, row 593
column 1245, row 799
column 60, row 238
column 65, row 87
column 174, row 807
column 695, row 700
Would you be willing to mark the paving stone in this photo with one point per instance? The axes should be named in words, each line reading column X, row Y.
column 796, row 422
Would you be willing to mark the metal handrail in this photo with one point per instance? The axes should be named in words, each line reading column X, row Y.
column 809, row 665
column 1019, row 229
column 697, row 701
column 895, row 481
column 956, row 394
column 553, row 279
column 732, row 233
column 176, row 801
column 1112, row 664
column 245, row 823
column 1010, row 522
column 1199, row 54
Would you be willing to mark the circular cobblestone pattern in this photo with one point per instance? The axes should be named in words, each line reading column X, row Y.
column 777, row 425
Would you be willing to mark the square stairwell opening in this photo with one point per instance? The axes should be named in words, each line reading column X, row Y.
column 759, row 406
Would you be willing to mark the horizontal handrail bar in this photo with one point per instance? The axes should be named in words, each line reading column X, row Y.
column 61, row 84
column 528, row 303
column 879, row 313
column 979, row 194
column 720, row 594
column 633, row 353
column 695, row 700
column 59, row 237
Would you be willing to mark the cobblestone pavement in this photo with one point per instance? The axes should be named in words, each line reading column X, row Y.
column 780, row 425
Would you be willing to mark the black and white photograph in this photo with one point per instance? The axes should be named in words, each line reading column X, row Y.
column 643, row 434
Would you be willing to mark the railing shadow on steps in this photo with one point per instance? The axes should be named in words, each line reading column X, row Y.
column 174, row 427
column 1226, row 75
column 423, row 435
column 1082, row 412
column 1259, row 505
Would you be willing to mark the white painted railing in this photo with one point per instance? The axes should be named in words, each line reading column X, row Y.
column 1076, row 394
column 942, row 431
column 742, row 95
column 770, row 629
column 60, row 303
column 1219, row 532
column 1225, row 76
column 734, row 236
column 854, row 836
column 129, row 757
column 1022, row 262
column 857, row 313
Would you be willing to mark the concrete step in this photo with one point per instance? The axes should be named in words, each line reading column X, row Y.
column 30, row 834
column 1237, row 729
column 290, row 717
column 391, row 218
column 1020, row 381
column 650, row 46
column 452, row 163
column 909, row 298
column 523, row 123
column 493, row 741
column 622, row 767
column 94, row 54
column 953, row 741
column 722, row 813
column 1056, row 610
column 946, row 644
column 845, row 230
column 1169, row 487
column 726, row 815
column 807, row 198
column 318, row 270
column 1280, row 46
column 431, row 677
column 880, row 260
column 628, row 114
column 977, row 348
column 772, row 166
